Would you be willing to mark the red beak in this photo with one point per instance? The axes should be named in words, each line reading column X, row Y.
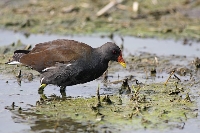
column 121, row 60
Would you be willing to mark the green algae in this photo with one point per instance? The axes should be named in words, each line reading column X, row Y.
column 136, row 111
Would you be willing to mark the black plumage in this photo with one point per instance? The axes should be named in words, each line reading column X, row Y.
column 67, row 62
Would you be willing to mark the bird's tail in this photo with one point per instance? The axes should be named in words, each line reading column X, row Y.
column 16, row 57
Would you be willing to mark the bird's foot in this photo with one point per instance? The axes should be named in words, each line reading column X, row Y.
column 43, row 97
column 41, row 88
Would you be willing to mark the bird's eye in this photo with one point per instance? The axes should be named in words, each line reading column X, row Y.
column 114, row 52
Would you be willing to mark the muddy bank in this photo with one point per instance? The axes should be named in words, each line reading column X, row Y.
column 149, row 18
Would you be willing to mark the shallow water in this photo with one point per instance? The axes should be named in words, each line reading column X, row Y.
column 132, row 45
column 26, row 95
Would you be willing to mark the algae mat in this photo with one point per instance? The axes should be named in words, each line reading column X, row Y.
column 150, row 107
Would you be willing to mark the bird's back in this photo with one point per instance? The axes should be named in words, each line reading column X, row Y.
column 47, row 54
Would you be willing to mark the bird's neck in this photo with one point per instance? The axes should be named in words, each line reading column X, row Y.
column 100, row 59
column 101, row 54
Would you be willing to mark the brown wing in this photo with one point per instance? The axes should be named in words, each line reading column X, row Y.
column 47, row 54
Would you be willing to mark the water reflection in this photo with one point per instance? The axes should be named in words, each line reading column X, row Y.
column 44, row 124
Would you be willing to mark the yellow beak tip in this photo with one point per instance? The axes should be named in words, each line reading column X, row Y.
column 123, row 64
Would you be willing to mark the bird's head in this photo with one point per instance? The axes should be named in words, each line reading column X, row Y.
column 113, row 53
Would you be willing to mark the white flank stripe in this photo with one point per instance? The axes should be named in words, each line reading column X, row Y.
column 44, row 70
column 69, row 64
column 14, row 63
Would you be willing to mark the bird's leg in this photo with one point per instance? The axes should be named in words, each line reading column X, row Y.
column 41, row 88
column 62, row 91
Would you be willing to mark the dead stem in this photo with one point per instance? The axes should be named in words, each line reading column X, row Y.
column 98, row 97
column 169, row 77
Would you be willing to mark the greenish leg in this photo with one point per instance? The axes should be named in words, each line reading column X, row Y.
column 43, row 97
column 41, row 88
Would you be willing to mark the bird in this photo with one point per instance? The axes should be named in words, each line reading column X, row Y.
column 64, row 62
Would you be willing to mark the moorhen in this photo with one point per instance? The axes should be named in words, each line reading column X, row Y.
column 65, row 62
